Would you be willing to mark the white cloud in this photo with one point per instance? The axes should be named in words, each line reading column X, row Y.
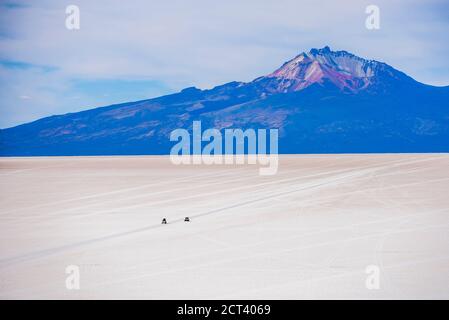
column 206, row 43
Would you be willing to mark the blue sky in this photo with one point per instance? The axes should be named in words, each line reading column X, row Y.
column 127, row 51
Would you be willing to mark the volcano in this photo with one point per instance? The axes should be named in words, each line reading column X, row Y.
column 322, row 101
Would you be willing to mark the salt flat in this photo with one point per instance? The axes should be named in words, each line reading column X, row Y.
column 309, row 231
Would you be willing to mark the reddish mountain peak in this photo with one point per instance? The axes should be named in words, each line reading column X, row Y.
column 341, row 68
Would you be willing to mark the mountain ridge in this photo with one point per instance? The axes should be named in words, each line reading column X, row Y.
column 322, row 101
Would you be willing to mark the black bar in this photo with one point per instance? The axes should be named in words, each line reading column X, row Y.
column 228, row 309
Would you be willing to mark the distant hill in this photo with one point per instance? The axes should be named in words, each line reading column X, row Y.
column 322, row 101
